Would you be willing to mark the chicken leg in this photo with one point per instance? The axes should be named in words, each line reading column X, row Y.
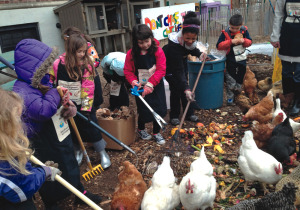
column 264, row 186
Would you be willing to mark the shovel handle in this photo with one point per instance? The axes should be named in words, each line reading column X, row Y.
column 193, row 91
column 68, row 186
column 77, row 134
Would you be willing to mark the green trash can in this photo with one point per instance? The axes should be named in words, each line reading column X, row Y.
column 209, row 91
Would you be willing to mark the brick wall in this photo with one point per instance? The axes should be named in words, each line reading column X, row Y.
column 23, row 1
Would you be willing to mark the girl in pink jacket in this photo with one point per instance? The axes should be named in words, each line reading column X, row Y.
column 145, row 67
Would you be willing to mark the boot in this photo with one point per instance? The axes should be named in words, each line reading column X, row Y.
column 296, row 107
column 105, row 161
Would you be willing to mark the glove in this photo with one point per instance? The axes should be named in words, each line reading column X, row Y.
column 51, row 170
column 66, row 97
column 147, row 90
column 69, row 110
column 189, row 95
column 136, row 83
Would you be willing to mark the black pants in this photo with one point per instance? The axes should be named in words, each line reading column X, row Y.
column 25, row 205
column 236, row 70
column 177, row 98
column 141, row 126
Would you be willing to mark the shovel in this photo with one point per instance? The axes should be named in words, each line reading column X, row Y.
column 68, row 186
column 176, row 135
column 92, row 170
column 159, row 119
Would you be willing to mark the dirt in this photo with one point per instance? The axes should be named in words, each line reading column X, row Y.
column 148, row 151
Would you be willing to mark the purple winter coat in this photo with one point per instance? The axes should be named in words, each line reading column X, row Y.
column 33, row 59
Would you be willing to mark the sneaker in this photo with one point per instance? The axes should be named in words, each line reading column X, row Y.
column 193, row 118
column 175, row 121
column 230, row 102
column 144, row 135
column 95, row 198
column 159, row 139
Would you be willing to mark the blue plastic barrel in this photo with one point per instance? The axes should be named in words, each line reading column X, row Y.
column 209, row 91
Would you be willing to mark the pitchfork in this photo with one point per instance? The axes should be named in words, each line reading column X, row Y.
column 92, row 170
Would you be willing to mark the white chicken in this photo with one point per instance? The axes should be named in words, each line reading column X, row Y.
column 257, row 165
column 197, row 189
column 295, row 125
column 163, row 193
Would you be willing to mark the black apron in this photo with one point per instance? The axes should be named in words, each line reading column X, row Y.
column 290, row 31
column 157, row 99
column 87, row 132
column 48, row 147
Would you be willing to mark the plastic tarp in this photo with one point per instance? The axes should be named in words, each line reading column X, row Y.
column 114, row 61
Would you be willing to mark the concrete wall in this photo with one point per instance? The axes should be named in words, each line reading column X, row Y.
column 45, row 18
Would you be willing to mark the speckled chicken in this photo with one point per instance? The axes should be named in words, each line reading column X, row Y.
column 263, row 111
column 262, row 132
column 281, row 200
column 130, row 190
column 294, row 178
column 249, row 85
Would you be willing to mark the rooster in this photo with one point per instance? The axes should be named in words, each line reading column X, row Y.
column 281, row 144
column 130, row 189
column 262, row 132
column 198, row 188
column 262, row 112
column 249, row 84
column 257, row 165
column 163, row 193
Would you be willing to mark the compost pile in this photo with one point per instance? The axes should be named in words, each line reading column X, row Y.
column 123, row 113
column 220, row 131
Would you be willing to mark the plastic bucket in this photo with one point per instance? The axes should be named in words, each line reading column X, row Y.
column 209, row 91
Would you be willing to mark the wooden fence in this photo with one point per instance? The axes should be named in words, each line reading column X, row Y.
column 258, row 18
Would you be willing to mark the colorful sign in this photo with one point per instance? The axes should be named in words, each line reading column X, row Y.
column 165, row 20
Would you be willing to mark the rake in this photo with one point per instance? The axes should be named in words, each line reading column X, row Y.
column 93, row 170
column 68, row 186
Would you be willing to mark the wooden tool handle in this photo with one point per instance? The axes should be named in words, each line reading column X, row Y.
column 77, row 134
column 68, row 186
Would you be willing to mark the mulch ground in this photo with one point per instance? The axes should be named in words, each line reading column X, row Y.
column 226, row 168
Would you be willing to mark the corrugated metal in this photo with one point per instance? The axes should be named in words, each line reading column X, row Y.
column 72, row 16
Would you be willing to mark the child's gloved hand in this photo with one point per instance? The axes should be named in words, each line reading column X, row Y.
column 69, row 110
column 202, row 56
column 189, row 95
column 136, row 83
column 147, row 90
column 66, row 97
column 51, row 170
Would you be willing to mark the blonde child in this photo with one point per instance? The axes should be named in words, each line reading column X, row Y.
column 75, row 70
column 145, row 57
column 33, row 60
column 18, row 179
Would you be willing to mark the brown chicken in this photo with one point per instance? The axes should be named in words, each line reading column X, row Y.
column 243, row 102
column 265, row 85
column 262, row 132
column 238, row 36
column 249, row 84
column 192, row 58
column 277, row 88
column 286, row 100
column 262, row 112
column 130, row 190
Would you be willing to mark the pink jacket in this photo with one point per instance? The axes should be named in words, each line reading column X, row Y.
column 160, row 72
column 87, row 84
